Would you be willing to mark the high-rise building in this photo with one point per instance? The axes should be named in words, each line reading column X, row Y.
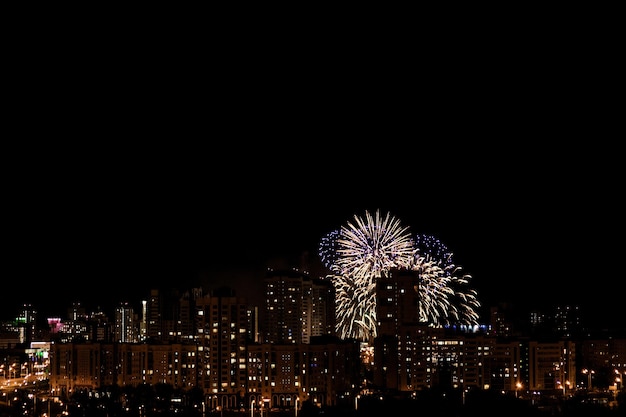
column 169, row 314
column 27, row 323
column 143, row 321
column 222, row 321
column 126, row 327
column 297, row 307
column 553, row 365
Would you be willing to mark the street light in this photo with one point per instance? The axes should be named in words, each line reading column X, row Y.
column 619, row 379
column 252, row 408
column 517, row 387
column 588, row 372
column 263, row 404
column 296, row 408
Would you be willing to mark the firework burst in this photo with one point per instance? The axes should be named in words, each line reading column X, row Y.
column 361, row 253
column 372, row 246
column 358, row 254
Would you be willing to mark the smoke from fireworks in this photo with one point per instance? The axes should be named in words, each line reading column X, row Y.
column 361, row 253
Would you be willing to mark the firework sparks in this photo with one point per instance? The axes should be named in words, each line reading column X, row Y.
column 356, row 312
column 361, row 253
column 431, row 248
column 372, row 246
column 442, row 297
column 328, row 249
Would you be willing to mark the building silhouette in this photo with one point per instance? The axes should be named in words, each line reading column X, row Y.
column 297, row 307
column 284, row 352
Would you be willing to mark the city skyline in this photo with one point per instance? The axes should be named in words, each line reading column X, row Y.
column 519, row 313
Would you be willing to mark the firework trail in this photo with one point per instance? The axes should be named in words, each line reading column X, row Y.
column 356, row 312
column 442, row 299
column 363, row 252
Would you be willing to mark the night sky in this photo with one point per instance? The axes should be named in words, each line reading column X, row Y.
column 126, row 171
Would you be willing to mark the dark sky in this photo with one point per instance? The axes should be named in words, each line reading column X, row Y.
column 531, row 226
column 124, row 171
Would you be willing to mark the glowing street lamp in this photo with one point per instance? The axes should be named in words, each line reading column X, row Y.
column 264, row 404
column 252, row 408
column 563, row 386
column 517, row 387
column 588, row 372
column 619, row 379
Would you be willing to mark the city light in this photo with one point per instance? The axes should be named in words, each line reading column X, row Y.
column 588, row 372
column 619, row 380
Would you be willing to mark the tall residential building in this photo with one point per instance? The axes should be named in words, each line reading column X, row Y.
column 506, row 360
column 567, row 320
column 221, row 323
column 411, row 355
column 319, row 302
column 27, row 324
column 397, row 302
column 153, row 317
column 100, row 328
column 77, row 312
column 143, row 321
column 254, row 331
column 561, row 320
column 297, row 307
column 169, row 315
column 96, row 365
column 323, row 372
column 501, row 319
column 126, row 327
column 552, row 365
